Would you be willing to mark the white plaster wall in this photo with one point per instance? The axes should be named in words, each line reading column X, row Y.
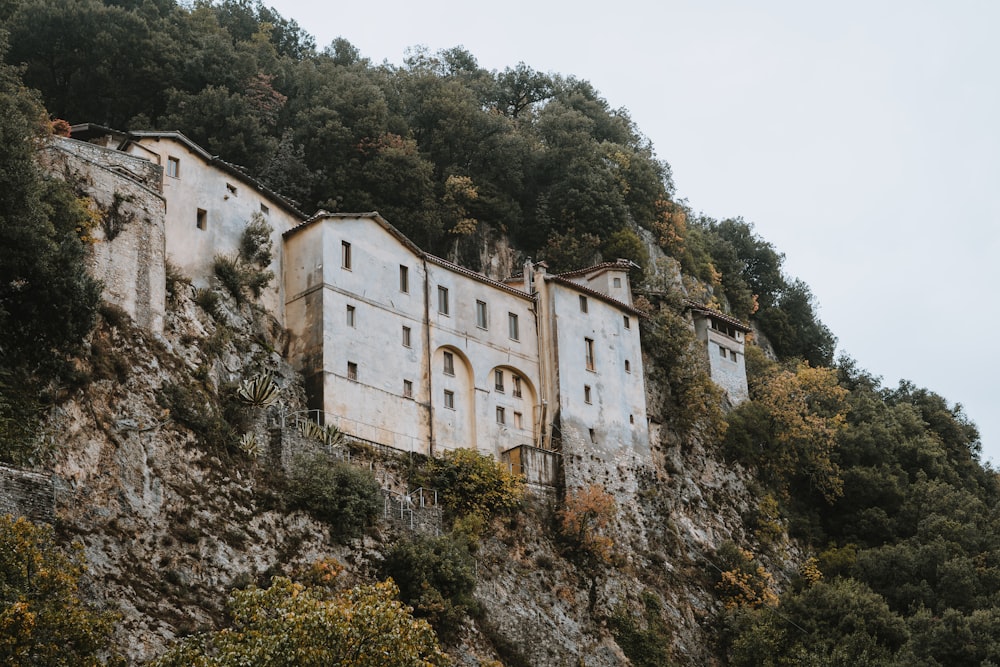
column 200, row 185
column 617, row 411
column 129, row 265
column 729, row 374
column 486, row 349
column 373, row 406
column 604, row 282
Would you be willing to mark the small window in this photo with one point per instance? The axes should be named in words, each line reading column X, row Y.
column 631, row 419
column 442, row 300
column 617, row 282
column 583, row 304
column 352, row 371
column 628, row 322
column 231, row 189
column 722, row 352
column 586, row 394
column 481, row 321
column 407, row 389
column 449, row 399
column 516, row 381
column 449, row 363
column 173, row 167
column 512, row 330
column 589, row 345
column 501, row 415
column 406, row 336
column 345, row 255
column 498, row 380
column 202, row 220
column 732, row 355
column 265, row 210
column 628, row 366
column 593, row 436
column 518, row 420
column 350, row 316
column 404, row 279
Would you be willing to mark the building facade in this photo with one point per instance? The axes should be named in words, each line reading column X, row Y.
column 402, row 348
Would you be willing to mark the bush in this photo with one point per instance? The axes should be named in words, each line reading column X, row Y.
column 472, row 483
column 344, row 496
column 436, row 575
column 43, row 620
column 646, row 643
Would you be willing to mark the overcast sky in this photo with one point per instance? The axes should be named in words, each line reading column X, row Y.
column 860, row 138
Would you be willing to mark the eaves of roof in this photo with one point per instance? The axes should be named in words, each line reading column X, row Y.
column 228, row 167
column 560, row 279
column 620, row 265
column 715, row 314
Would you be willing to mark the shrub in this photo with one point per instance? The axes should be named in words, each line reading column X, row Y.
column 436, row 575
column 43, row 620
column 344, row 496
column 472, row 483
column 647, row 642
column 231, row 275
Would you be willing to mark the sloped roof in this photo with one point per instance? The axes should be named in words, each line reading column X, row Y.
column 233, row 170
column 411, row 246
column 562, row 280
column 619, row 265
column 701, row 308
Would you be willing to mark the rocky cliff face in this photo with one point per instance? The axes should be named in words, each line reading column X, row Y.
column 172, row 514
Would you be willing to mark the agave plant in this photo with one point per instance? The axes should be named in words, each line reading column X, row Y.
column 331, row 436
column 250, row 445
column 260, row 391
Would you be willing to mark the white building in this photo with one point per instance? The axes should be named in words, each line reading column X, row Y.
column 408, row 350
column 724, row 338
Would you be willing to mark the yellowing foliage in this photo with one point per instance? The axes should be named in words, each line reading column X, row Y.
column 747, row 584
column 43, row 621
column 584, row 521
column 293, row 625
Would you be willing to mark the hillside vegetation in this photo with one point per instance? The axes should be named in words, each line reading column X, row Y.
column 842, row 522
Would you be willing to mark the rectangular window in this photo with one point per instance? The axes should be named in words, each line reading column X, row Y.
column 231, row 189
column 442, row 300
column 722, row 352
column 518, row 420
column 265, row 210
column 350, row 316
column 512, row 327
column 498, row 380
column 628, row 366
column 404, row 279
column 628, row 322
column 732, row 355
column 516, row 380
column 589, row 345
column 202, row 220
column 593, row 436
column 173, row 167
column 352, row 371
column 449, row 363
column 449, row 399
column 406, row 336
column 586, row 393
column 617, row 282
column 501, row 415
column 481, row 321
column 407, row 389
column 345, row 255
column 583, row 304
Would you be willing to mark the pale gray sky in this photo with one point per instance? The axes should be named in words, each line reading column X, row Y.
column 860, row 138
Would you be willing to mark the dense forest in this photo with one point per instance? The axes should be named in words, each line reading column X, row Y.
column 882, row 487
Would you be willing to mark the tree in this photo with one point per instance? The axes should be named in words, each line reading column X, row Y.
column 293, row 625
column 43, row 620
column 343, row 495
column 473, row 483
column 790, row 428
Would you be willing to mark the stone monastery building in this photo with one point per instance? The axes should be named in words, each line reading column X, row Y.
column 398, row 347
